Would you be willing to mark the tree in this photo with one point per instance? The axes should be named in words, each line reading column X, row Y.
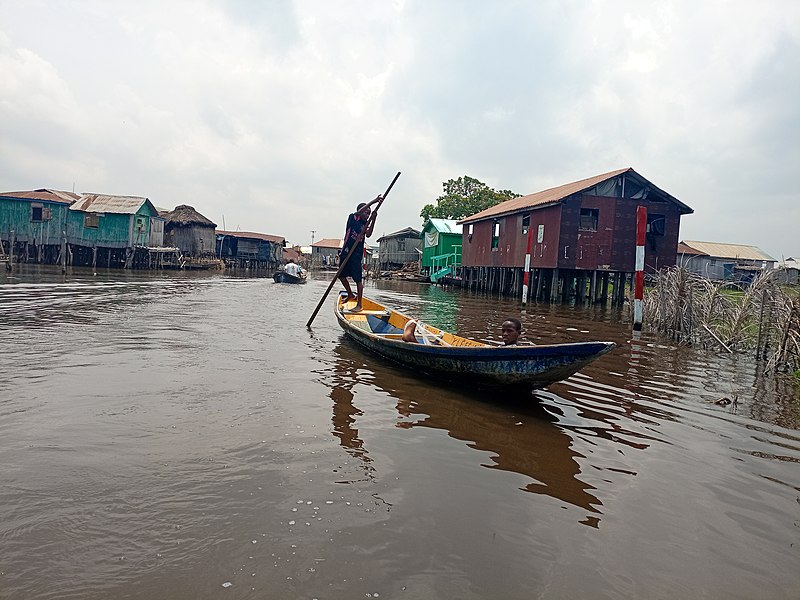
column 463, row 197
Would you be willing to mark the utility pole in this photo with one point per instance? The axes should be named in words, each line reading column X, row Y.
column 313, row 231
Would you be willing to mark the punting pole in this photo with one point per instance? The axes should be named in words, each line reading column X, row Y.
column 526, row 275
column 638, row 290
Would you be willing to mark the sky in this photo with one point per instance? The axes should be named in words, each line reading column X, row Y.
column 280, row 116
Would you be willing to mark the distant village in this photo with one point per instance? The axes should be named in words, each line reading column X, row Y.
column 576, row 240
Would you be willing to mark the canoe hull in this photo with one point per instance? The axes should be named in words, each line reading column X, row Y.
column 534, row 366
column 284, row 277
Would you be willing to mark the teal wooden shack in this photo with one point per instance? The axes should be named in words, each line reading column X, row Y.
column 114, row 222
column 441, row 247
column 122, row 225
column 32, row 223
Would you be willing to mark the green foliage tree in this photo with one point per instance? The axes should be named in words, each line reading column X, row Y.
column 463, row 197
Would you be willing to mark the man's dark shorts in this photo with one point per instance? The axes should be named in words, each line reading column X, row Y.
column 352, row 269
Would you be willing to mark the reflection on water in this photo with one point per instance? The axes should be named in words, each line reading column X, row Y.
column 520, row 435
column 165, row 435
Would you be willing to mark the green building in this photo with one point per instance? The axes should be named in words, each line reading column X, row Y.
column 441, row 246
column 33, row 223
column 103, row 221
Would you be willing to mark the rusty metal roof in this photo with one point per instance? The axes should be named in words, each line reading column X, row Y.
column 104, row 203
column 335, row 243
column 732, row 251
column 43, row 195
column 252, row 235
column 328, row 243
column 558, row 194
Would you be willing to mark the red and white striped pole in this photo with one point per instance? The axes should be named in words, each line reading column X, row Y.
column 526, row 275
column 638, row 290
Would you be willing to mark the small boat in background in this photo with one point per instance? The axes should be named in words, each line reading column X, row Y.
column 284, row 277
column 452, row 357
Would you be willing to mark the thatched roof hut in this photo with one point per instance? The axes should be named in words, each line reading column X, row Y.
column 185, row 216
column 190, row 231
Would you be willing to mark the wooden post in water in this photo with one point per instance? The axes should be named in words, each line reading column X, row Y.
column 64, row 253
column 638, row 291
column 526, row 275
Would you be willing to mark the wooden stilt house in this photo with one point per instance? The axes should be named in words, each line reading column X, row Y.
column 441, row 247
column 187, row 229
column 121, row 228
column 250, row 250
column 33, row 224
column 582, row 237
column 399, row 248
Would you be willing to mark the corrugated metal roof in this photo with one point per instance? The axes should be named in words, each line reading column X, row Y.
column 328, row 243
column 103, row 203
column 334, row 243
column 734, row 251
column 407, row 232
column 557, row 194
column 43, row 195
column 251, row 234
column 684, row 249
column 446, row 225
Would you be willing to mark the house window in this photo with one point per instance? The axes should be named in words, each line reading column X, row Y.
column 401, row 245
column 526, row 224
column 656, row 224
column 91, row 220
column 495, row 235
column 589, row 219
column 469, row 232
column 40, row 213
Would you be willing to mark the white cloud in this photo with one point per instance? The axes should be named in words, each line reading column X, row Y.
column 283, row 115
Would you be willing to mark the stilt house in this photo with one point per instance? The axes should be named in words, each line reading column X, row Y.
column 121, row 227
column 581, row 233
column 325, row 252
column 248, row 249
column 441, row 246
column 724, row 262
column 398, row 248
column 33, row 223
column 187, row 229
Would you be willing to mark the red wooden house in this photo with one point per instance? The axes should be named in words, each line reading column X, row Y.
column 582, row 232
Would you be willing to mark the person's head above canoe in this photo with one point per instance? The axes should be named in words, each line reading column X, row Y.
column 510, row 331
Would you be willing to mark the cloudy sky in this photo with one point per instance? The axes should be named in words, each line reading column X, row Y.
column 279, row 116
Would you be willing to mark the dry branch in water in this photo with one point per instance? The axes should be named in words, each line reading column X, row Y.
column 694, row 310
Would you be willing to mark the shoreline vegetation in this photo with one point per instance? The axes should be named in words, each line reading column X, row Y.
column 762, row 318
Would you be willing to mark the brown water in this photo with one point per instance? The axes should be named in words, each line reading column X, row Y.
column 186, row 437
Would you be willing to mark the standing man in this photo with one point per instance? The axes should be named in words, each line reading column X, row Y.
column 359, row 222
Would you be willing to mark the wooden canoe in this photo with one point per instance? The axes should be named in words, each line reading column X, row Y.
column 452, row 357
column 284, row 277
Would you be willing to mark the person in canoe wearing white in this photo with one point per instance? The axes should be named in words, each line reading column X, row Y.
column 292, row 268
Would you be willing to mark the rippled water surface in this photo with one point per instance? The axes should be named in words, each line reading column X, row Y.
column 187, row 437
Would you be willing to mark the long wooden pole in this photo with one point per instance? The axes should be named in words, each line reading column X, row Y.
column 638, row 290
column 349, row 254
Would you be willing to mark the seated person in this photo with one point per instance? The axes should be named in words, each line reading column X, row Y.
column 409, row 332
column 510, row 331
column 292, row 268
